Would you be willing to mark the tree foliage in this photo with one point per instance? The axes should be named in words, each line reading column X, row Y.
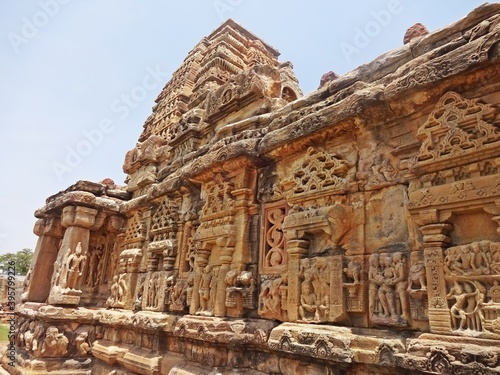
column 21, row 260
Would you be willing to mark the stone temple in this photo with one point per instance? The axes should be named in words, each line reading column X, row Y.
column 354, row 230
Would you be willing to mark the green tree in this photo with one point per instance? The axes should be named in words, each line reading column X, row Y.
column 21, row 260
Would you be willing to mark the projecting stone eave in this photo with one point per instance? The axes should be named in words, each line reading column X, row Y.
column 387, row 84
column 235, row 25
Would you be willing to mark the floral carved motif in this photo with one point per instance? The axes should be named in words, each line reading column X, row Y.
column 274, row 255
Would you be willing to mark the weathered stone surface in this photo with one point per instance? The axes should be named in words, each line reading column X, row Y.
column 414, row 32
column 327, row 77
column 353, row 230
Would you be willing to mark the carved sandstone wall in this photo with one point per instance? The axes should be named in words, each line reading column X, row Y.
column 354, row 230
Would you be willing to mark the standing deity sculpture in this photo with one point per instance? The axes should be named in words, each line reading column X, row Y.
column 205, row 289
column 76, row 263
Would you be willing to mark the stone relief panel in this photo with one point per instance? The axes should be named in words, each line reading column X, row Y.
column 453, row 194
column 207, row 290
column 273, row 255
column 378, row 171
column 119, row 291
column 317, row 296
column 46, row 340
column 155, row 291
column 388, row 289
column 354, row 283
column 135, row 234
column 68, row 275
column 417, row 287
column 458, row 126
column 101, row 262
column 273, row 297
column 319, row 171
column 218, row 198
column 472, row 272
column 163, row 235
column 386, row 218
column 241, row 289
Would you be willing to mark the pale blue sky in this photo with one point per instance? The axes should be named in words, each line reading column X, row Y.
column 74, row 70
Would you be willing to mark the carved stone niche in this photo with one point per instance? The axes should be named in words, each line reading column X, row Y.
column 177, row 293
column 67, row 279
column 455, row 191
column 388, row 303
column 122, row 289
column 354, row 283
column 136, row 231
column 417, row 287
column 155, row 291
column 152, row 150
column 320, row 290
column 187, row 128
column 261, row 81
column 459, row 131
column 320, row 211
column 472, row 273
column 272, row 300
column 326, row 228
column 241, row 288
column 163, row 247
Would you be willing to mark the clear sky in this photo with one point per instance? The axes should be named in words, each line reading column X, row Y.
column 79, row 77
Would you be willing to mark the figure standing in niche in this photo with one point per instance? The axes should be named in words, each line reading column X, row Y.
column 401, row 283
column 122, row 289
column 323, row 291
column 386, row 289
column 375, row 279
column 76, row 262
column 91, row 280
column 204, row 291
column 213, row 288
column 308, row 309
column 113, row 292
column 152, row 290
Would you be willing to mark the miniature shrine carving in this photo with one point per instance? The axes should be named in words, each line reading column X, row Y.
column 353, row 230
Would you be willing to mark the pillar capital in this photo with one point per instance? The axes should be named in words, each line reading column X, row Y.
column 78, row 216
column 49, row 226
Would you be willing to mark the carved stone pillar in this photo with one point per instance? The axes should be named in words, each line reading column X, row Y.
column 50, row 232
column 297, row 249
column 72, row 257
column 435, row 240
